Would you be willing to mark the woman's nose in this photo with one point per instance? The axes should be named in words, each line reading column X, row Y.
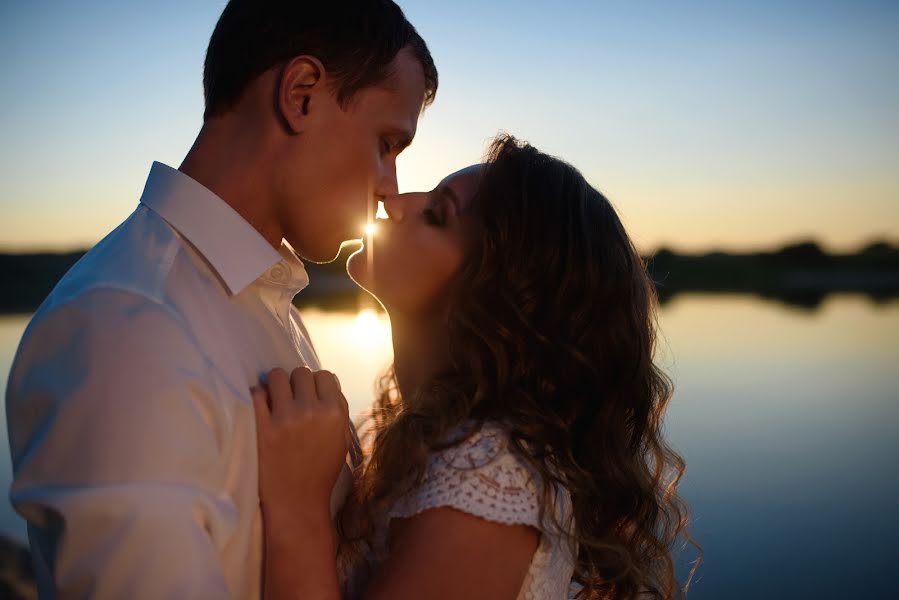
column 398, row 207
column 395, row 208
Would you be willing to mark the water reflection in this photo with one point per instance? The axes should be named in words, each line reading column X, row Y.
column 11, row 329
column 787, row 418
column 356, row 345
column 788, row 422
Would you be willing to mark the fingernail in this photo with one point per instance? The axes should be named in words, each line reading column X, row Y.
column 256, row 390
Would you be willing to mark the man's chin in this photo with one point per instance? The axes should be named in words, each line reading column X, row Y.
column 351, row 243
column 325, row 253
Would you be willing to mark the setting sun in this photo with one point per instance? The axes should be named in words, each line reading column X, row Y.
column 370, row 330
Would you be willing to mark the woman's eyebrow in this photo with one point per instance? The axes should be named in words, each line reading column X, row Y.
column 450, row 194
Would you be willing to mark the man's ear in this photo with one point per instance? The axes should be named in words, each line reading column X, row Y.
column 300, row 85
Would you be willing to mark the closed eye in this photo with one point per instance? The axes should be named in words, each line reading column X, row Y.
column 431, row 217
column 435, row 214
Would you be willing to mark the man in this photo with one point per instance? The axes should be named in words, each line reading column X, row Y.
column 129, row 410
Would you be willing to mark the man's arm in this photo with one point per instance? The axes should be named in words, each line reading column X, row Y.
column 115, row 432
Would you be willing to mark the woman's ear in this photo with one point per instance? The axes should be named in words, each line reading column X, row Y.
column 300, row 84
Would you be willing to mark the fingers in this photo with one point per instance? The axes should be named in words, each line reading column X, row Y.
column 303, row 390
column 260, row 406
column 280, row 393
column 303, row 384
column 328, row 388
column 290, row 393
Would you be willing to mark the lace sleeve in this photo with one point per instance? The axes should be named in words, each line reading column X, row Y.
column 481, row 476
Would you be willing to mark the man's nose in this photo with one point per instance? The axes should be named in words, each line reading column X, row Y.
column 387, row 185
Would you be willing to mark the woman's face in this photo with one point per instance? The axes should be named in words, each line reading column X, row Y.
column 410, row 261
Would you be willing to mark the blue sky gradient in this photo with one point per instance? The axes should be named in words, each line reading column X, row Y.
column 708, row 124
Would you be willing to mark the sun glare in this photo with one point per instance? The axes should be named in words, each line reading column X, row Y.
column 370, row 330
column 370, row 229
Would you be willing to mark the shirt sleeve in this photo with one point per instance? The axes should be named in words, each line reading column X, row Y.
column 482, row 477
column 115, row 433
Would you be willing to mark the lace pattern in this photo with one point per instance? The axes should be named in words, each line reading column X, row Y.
column 483, row 477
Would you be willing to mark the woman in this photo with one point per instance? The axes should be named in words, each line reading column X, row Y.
column 516, row 444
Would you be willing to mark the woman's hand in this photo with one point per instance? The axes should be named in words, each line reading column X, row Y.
column 303, row 436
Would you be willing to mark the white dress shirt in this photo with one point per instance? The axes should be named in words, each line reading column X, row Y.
column 131, row 426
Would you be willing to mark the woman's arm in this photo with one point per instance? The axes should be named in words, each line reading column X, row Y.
column 299, row 555
column 303, row 437
column 444, row 553
column 439, row 553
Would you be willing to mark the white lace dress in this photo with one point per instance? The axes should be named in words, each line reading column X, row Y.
column 482, row 477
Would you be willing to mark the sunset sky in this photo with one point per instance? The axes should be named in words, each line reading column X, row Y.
column 750, row 125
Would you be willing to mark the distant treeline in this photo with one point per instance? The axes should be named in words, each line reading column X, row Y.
column 801, row 274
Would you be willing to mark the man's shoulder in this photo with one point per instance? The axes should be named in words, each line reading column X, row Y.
column 134, row 258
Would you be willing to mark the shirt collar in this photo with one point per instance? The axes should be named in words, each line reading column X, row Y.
column 234, row 248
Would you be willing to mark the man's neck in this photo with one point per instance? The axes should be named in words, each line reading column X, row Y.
column 227, row 162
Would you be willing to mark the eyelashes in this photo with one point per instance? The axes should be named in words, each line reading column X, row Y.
column 433, row 217
column 430, row 216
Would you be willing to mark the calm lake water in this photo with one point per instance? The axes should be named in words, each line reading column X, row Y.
column 788, row 419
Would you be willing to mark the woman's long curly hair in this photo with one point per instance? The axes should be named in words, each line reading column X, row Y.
column 552, row 330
